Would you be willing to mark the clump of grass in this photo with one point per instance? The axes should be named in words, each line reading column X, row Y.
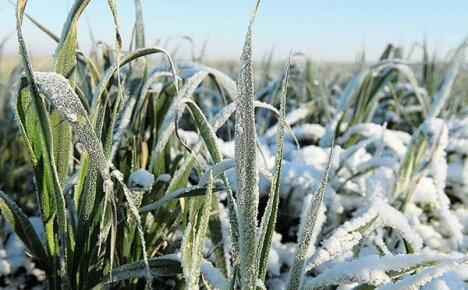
column 135, row 191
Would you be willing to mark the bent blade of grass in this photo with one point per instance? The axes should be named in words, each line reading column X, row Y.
column 222, row 79
column 65, row 64
column 159, row 267
column 267, row 226
column 170, row 265
column 217, row 169
column 296, row 273
column 210, row 139
column 424, row 276
column 179, row 193
column 168, row 126
column 246, row 165
column 380, row 270
column 59, row 92
column 102, row 86
column 65, row 61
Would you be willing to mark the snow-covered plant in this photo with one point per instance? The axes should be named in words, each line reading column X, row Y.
column 175, row 175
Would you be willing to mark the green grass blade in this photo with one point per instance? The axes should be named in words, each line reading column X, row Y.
column 267, row 226
column 49, row 176
column 65, row 61
column 297, row 269
column 104, row 82
column 210, row 139
column 59, row 92
column 24, row 229
column 194, row 237
column 159, row 267
column 168, row 125
column 443, row 94
column 246, row 165
column 180, row 193
column 30, row 128
column 381, row 270
column 65, row 64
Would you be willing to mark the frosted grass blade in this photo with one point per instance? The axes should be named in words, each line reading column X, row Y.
column 297, row 270
column 246, row 165
column 267, row 225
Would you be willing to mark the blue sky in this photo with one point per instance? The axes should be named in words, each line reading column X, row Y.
column 325, row 30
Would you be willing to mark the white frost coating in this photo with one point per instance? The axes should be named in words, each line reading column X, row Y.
column 425, row 191
column 281, row 254
column 59, row 92
column 307, row 132
column 164, row 178
column 216, row 170
column 438, row 132
column 321, row 217
column 459, row 145
column 212, row 275
column 373, row 270
column 378, row 162
column 141, row 179
column 340, row 242
column 394, row 140
column 361, row 271
column 189, row 137
column 424, row 276
column 448, row 281
column 292, row 118
column 246, row 166
column 306, row 231
column 298, row 114
column 344, row 238
column 393, row 218
column 134, row 211
column 432, row 238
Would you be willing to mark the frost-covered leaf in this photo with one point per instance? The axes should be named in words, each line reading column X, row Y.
column 159, row 267
column 194, row 238
column 246, row 165
column 306, row 230
column 59, row 92
column 424, row 276
column 374, row 270
column 267, row 225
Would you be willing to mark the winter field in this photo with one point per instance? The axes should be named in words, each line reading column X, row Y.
column 126, row 168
